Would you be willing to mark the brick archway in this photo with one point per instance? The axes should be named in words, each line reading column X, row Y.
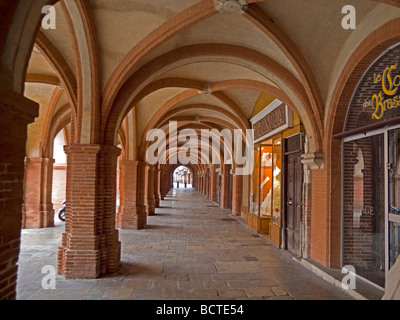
column 328, row 252
column 113, row 113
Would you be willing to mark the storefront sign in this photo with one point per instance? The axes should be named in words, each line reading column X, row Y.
column 275, row 118
column 389, row 97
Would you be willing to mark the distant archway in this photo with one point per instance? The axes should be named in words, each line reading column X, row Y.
column 183, row 177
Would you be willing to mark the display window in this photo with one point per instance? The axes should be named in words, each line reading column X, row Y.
column 364, row 207
column 371, row 173
column 266, row 182
column 277, row 182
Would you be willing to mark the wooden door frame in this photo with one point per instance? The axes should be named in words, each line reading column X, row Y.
column 284, row 198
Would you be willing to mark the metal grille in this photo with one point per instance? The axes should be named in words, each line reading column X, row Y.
column 293, row 144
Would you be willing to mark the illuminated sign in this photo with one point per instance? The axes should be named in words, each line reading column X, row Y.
column 273, row 119
column 389, row 97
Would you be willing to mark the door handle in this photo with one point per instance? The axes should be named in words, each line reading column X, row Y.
column 290, row 202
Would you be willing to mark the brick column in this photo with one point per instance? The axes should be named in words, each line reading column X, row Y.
column 160, row 184
column 131, row 215
column 193, row 181
column 166, row 184
column 112, row 246
column 16, row 113
column 90, row 246
column 225, row 186
column 203, row 183
column 213, row 184
column 208, row 184
column 37, row 210
column 149, row 190
column 155, row 187
column 200, row 184
column 237, row 194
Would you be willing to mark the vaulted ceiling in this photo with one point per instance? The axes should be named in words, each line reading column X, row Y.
column 184, row 59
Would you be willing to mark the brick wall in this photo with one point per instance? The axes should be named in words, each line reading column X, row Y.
column 319, row 218
column 17, row 113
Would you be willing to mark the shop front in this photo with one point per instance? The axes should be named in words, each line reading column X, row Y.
column 371, row 172
column 273, row 128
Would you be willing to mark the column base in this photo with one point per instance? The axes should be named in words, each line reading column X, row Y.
column 81, row 264
column 132, row 220
column 150, row 207
column 34, row 218
column 156, row 201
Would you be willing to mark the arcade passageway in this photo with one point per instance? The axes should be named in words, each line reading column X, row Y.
column 191, row 249
column 203, row 148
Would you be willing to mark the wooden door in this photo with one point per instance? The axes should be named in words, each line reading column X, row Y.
column 293, row 187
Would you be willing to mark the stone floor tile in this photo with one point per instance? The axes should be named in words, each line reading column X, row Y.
column 147, row 267
column 237, row 267
column 268, row 282
column 138, row 283
column 251, row 298
column 231, row 293
column 161, row 284
column 177, row 276
column 187, row 285
column 273, row 264
column 279, row 291
column 191, row 250
column 121, row 293
column 219, row 284
column 148, row 294
column 259, row 292
column 279, row 298
column 61, row 294
column 234, row 284
column 200, row 276
column 204, row 294
column 174, row 294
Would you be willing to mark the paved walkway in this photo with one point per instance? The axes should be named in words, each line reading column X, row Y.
column 192, row 250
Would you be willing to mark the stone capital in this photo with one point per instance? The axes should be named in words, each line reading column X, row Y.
column 314, row 160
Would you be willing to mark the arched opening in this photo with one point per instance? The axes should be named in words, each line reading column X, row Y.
column 369, row 140
column 59, row 174
column 183, row 177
